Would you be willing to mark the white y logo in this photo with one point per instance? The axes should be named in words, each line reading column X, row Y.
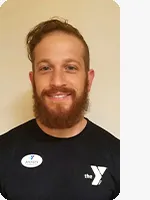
column 98, row 171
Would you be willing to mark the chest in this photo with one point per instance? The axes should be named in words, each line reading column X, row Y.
column 67, row 173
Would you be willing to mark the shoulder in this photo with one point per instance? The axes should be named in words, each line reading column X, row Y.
column 104, row 143
column 102, row 136
column 15, row 134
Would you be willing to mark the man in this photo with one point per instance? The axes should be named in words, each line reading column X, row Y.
column 60, row 154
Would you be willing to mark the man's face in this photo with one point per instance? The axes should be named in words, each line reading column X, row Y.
column 60, row 81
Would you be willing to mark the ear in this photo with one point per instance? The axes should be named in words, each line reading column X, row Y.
column 31, row 76
column 91, row 75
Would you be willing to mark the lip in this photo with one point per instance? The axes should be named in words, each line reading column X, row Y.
column 63, row 98
column 58, row 93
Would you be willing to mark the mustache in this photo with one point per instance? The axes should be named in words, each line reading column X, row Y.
column 56, row 89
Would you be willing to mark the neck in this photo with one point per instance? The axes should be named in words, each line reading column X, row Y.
column 64, row 133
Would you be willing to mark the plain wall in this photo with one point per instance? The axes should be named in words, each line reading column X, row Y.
column 97, row 20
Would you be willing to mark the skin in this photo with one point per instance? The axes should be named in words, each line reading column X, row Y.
column 58, row 61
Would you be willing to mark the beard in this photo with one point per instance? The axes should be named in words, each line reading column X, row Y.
column 60, row 117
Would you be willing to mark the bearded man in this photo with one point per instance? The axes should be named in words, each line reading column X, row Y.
column 60, row 154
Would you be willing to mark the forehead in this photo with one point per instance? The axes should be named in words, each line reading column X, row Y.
column 59, row 45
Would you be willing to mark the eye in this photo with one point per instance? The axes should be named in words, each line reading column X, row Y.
column 44, row 68
column 71, row 67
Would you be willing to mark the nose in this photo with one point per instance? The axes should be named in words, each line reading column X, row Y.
column 57, row 78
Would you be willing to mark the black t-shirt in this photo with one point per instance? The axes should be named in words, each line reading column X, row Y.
column 36, row 166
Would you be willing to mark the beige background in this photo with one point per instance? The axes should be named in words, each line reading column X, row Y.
column 97, row 20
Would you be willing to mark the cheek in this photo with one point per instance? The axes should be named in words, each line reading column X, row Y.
column 40, row 84
column 80, row 86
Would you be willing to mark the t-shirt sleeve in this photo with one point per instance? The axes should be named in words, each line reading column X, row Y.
column 2, row 193
column 116, row 160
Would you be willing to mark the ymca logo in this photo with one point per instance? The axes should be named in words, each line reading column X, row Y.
column 32, row 156
column 31, row 160
column 98, row 172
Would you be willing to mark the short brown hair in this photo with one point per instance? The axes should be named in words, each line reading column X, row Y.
column 42, row 29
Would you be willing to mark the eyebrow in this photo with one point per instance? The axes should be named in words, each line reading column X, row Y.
column 65, row 60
